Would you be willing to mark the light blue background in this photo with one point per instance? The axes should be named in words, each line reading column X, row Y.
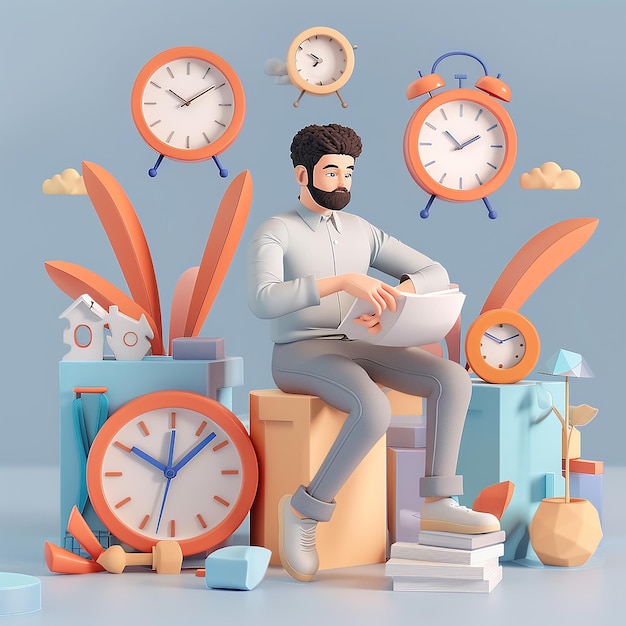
column 67, row 72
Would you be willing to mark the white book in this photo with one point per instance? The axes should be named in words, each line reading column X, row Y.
column 419, row 319
column 460, row 540
column 412, row 583
column 410, row 550
column 430, row 569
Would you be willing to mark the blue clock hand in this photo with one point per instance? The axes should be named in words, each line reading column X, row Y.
column 459, row 146
column 469, row 141
column 146, row 457
column 193, row 452
column 508, row 338
column 169, row 473
column 494, row 338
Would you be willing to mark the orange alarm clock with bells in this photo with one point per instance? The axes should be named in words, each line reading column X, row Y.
column 461, row 144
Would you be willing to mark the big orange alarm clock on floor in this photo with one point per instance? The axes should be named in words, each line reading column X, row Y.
column 172, row 465
column 460, row 145
column 188, row 104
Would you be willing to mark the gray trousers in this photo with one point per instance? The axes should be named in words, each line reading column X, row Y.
column 344, row 374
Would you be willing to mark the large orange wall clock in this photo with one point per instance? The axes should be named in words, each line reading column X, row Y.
column 172, row 465
column 460, row 145
column 502, row 346
column 188, row 104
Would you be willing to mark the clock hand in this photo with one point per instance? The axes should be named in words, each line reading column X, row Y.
column 469, row 141
column 459, row 146
column 146, row 457
column 185, row 102
column 197, row 96
column 317, row 59
column 493, row 337
column 169, row 473
column 512, row 337
column 193, row 452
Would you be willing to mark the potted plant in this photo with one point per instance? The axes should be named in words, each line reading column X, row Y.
column 566, row 531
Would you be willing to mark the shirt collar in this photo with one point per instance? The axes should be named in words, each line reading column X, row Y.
column 313, row 219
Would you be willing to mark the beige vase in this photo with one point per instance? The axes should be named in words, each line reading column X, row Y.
column 565, row 533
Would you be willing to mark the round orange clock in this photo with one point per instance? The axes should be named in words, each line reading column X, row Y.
column 172, row 465
column 502, row 346
column 460, row 145
column 188, row 104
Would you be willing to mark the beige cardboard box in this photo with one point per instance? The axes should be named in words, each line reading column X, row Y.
column 292, row 434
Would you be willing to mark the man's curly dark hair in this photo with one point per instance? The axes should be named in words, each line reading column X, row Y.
column 313, row 142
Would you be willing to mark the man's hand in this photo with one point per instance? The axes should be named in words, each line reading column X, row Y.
column 371, row 322
column 376, row 292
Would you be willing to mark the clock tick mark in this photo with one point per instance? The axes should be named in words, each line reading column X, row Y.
column 169, row 71
column 219, row 446
column 429, row 163
column 173, row 420
column 431, row 126
column 201, row 520
column 113, row 474
column 121, row 503
column 172, row 528
column 201, row 428
column 480, row 182
column 144, row 522
column 480, row 112
column 221, row 501
column 443, row 113
column 121, row 446
column 443, row 177
column 143, row 428
column 230, row 472
column 492, row 165
column 460, row 182
column 155, row 123
column 205, row 136
column 492, row 127
column 169, row 137
column 155, row 85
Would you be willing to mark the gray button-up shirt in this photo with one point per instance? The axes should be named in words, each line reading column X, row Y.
column 289, row 252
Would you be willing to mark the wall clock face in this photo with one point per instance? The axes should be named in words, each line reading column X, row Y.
column 460, row 145
column 172, row 465
column 502, row 346
column 320, row 60
column 188, row 104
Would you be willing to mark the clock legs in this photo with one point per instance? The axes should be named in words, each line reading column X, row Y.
column 152, row 172
column 425, row 212
column 492, row 214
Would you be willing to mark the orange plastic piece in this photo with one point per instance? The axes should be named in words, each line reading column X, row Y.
column 126, row 236
column 494, row 499
column 79, row 390
column 166, row 558
column 79, row 529
column 494, row 87
column 424, row 85
column 75, row 280
column 536, row 260
column 584, row 466
column 63, row 561
column 223, row 240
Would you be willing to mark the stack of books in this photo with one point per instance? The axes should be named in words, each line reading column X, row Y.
column 442, row 561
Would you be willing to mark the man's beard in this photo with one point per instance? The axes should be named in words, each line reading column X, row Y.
column 333, row 200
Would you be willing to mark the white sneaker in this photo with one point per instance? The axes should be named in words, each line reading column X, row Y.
column 296, row 542
column 447, row 516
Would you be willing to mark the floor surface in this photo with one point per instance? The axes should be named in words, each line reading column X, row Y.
column 591, row 594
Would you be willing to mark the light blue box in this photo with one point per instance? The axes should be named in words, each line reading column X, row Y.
column 588, row 487
column 507, row 437
column 126, row 380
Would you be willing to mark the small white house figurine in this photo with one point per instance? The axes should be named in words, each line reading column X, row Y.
column 130, row 338
column 85, row 335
